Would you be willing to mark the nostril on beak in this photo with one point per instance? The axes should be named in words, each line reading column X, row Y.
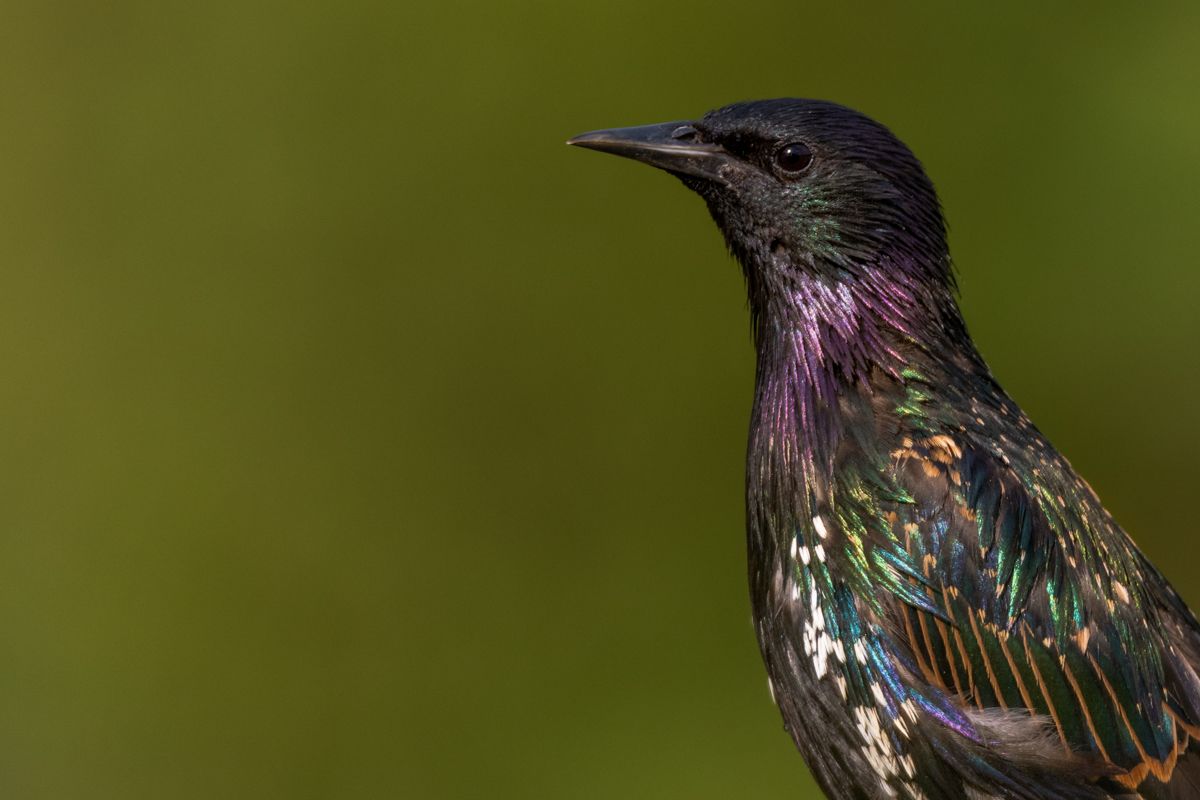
column 684, row 133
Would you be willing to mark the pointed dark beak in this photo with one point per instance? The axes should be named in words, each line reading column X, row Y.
column 672, row 146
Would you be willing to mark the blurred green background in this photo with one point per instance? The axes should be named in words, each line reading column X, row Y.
column 361, row 440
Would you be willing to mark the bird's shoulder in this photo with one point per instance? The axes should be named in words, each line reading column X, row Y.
column 1005, row 582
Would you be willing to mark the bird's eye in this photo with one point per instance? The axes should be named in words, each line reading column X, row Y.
column 794, row 157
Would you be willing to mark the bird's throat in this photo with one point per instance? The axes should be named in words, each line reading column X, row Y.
column 820, row 345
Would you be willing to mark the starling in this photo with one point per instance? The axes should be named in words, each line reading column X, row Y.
column 944, row 607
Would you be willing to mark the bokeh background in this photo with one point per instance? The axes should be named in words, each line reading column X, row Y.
column 358, row 439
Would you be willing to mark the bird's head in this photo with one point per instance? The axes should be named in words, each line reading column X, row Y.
column 804, row 190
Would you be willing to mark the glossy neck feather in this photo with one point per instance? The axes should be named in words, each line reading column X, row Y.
column 826, row 335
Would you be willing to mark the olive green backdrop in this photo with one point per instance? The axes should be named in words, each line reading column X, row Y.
column 360, row 440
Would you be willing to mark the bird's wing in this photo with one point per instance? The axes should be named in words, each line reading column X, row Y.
column 1010, row 589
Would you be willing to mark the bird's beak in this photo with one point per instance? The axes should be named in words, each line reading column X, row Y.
column 672, row 146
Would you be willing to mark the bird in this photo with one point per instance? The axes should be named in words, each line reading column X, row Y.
column 944, row 607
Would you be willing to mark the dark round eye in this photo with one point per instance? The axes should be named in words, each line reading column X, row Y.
column 794, row 157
